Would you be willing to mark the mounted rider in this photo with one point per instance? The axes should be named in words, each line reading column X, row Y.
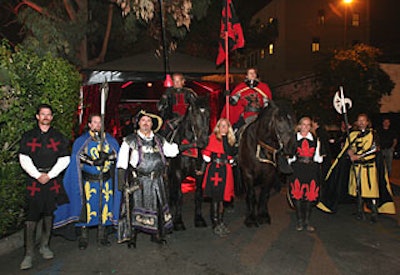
column 174, row 103
column 247, row 100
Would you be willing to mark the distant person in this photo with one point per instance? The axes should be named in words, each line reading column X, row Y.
column 43, row 156
column 128, row 127
column 388, row 142
column 174, row 103
column 325, row 150
column 247, row 100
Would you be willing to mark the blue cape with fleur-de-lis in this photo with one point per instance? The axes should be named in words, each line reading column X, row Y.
column 71, row 212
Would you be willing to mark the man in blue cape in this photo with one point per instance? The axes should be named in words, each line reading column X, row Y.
column 90, row 173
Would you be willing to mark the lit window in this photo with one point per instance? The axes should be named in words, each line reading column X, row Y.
column 355, row 20
column 321, row 17
column 315, row 45
column 271, row 20
column 271, row 48
column 262, row 54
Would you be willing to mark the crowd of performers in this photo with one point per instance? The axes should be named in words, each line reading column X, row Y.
column 106, row 186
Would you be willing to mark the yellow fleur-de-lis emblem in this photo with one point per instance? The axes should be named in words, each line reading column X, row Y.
column 105, row 215
column 90, row 213
column 88, row 191
column 107, row 191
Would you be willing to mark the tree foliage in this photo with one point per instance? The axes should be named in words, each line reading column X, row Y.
column 359, row 72
column 82, row 31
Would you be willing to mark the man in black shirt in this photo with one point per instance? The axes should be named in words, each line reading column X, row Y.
column 388, row 141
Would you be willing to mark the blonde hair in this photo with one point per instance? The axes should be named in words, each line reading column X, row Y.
column 230, row 135
column 312, row 130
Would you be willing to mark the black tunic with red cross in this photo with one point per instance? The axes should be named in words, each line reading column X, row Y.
column 218, row 178
column 306, row 173
column 44, row 149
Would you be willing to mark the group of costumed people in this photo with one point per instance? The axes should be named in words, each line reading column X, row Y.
column 108, row 186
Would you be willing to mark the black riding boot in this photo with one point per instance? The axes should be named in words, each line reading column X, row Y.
column 360, row 210
column 214, row 213
column 132, row 241
column 374, row 209
column 45, row 238
column 30, row 227
column 299, row 215
column 83, row 241
column 307, row 215
column 102, row 236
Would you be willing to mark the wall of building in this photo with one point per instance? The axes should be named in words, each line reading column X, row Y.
column 392, row 103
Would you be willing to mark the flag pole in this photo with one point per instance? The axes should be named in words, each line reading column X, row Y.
column 226, row 60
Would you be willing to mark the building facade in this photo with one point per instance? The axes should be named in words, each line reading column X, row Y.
column 306, row 31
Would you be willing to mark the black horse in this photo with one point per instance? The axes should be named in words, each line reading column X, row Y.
column 263, row 142
column 191, row 135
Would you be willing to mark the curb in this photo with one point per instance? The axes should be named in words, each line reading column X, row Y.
column 12, row 242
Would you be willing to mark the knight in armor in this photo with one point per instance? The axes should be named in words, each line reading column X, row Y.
column 304, row 182
column 218, row 177
column 91, row 183
column 174, row 103
column 247, row 99
column 367, row 179
column 141, row 167
column 43, row 156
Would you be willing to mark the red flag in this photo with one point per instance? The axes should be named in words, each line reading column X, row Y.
column 229, row 23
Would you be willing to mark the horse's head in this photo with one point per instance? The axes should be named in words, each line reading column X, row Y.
column 198, row 114
column 278, row 124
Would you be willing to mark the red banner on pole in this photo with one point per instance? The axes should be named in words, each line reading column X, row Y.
column 230, row 27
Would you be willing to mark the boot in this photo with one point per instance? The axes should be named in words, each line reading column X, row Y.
column 83, row 241
column 102, row 236
column 307, row 215
column 223, row 226
column 374, row 213
column 47, row 254
column 158, row 238
column 360, row 210
column 299, row 216
column 30, row 227
column 214, row 213
column 132, row 241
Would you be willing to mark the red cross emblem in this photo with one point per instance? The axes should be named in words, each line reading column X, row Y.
column 180, row 106
column 53, row 145
column 56, row 187
column 216, row 179
column 33, row 189
column 33, row 144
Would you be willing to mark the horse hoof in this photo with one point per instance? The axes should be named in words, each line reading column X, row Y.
column 132, row 245
column 264, row 220
column 199, row 222
column 251, row 223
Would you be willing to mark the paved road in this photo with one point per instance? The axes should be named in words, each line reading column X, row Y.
column 341, row 245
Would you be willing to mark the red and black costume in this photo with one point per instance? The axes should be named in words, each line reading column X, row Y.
column 304, row 182
column 246, row 101
column 218, row 179
column 43, row 149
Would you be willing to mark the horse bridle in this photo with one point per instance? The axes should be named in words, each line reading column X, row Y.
column 270, row 149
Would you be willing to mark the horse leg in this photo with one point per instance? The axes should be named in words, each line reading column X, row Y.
column 177, row 219
column 263, row 214
column 250, row 220
column 198, row 200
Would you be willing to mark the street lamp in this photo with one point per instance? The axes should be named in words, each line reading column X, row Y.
column 346, row 4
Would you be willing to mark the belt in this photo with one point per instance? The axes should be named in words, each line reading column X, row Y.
column 220, row 161
column 152, row 175
column 44, row 170
column 305, row 160
column 95, row 177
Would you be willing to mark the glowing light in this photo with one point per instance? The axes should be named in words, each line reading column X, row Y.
column 126, row 84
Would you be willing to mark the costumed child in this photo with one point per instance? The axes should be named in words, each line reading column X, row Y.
column 218, row 181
